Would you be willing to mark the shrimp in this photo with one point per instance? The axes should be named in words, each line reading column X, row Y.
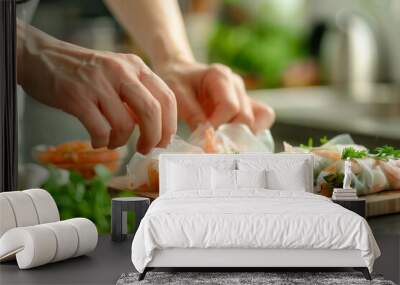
column 152, row 173
column 329, row 154
column 210, row 144
column 392, row 174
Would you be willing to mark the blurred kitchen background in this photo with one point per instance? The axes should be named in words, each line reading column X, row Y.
column 327, row 67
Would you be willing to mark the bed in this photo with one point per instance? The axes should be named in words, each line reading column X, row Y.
column 247, row 211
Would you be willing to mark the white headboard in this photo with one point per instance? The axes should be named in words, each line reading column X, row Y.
column 233, row 160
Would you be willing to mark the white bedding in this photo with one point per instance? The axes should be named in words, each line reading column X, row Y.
column 250, row 218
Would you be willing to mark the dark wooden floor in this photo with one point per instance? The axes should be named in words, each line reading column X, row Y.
column 103, row 266
column 110, row 260
column 387, row 233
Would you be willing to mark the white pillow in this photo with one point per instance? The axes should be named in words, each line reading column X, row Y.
column 223, row 179
column 293, row 181
column 182, row 177
column 251, row 178
column 283, row 172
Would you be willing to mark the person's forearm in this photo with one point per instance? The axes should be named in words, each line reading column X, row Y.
column 31, row 43
column 21, row 38
column 157, row 26
column 34, row 45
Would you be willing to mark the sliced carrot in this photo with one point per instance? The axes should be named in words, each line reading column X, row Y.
column 80, row 156
column 77, row 152
column 73, row 146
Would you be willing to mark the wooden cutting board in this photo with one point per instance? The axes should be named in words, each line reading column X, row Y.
column 387, row 202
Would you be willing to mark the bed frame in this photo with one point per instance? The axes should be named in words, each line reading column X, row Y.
column 259, row 259
column 246, row 259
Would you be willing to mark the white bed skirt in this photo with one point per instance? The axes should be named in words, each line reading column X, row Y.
column 225, row 257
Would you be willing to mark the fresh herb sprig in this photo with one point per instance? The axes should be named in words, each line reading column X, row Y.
column 351, row 152
column 310, row 142
column 323, row 140
column 386, row 152
column 383, row 153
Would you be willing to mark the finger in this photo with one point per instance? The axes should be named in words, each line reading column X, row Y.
column 95, row 123
column 130, row 112
column 264, row 116
column 245, row 115
column 118, row 117
column 167, row 101
column 219, row 86
column 189, row 108
column 148, row 112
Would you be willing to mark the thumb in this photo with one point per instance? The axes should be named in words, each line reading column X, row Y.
column 264, row 116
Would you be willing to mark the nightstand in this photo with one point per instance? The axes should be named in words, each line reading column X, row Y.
column 119, row 208
column 357, row 205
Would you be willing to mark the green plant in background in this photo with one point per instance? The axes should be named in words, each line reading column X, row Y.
column 79, row 197
column 263, row 44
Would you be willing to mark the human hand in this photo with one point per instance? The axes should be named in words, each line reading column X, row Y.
column 108, row 92
column 213, row 93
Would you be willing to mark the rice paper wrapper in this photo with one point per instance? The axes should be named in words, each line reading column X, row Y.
column 228, row 138
column 369, row 175
column 231, row 138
